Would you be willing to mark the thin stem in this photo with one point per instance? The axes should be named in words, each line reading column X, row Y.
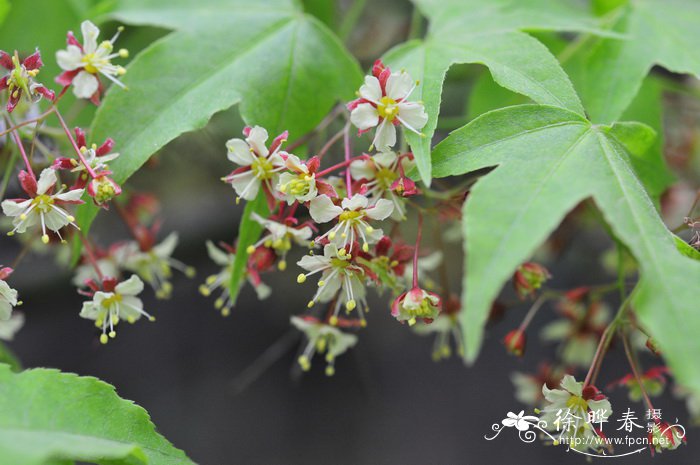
column 326, row 147
column 88, row 168
column 348, row 156
column 342, row 164
column 22, row 253
column 90, row 255
column 18, row 141
column 337, row 111
column 27, row 122
column 416, row 249
column 533, row 311
column 635, row 370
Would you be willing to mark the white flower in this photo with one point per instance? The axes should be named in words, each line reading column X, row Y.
column 280, row 237
column 107, row 308
column 384, row 106
column 352, row 216
column 380, row 171
column 8, row 300
column 222, row 280
column 341, row 280
column 108, row 266
column 259, row 166
column 414, row 304
column 322, row 338
column 298, row 185
column 9, row 327
column 568, row 410
column 155, row 265
column 82, row 63
column 43, row 207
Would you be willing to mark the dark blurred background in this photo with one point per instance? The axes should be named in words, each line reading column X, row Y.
column 202, row 378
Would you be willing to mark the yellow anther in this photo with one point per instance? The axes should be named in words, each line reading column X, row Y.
column 123, row 53
column 365, row 247
column 282, row 265
column 310, row 304
column 204, row 290
column 333, row 321
column 104, row 339
column 350, row 305
column 250, row 249
column 330, row 370
column 304, row 362
column 226, row 311
column 112, row 334
column 45, row 238
column 70, row 218
column 412, row 321
column 321, row 283
column 369, row 229
column 301, row 278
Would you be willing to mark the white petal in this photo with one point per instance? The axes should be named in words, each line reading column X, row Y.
column 54, row 220
column 12, row 208
column 371, row 90
column 90, row 34
column 70, row 59
column 132, row 286
column 399, row 85
column 381, row 210
column 167, row 247
column 323, row 210
column 569, row 383
column 355, row 203
column 413, row 114
column 219, row 256
column 385, row 136
column 47, row 179
column 294, row 163
column 84, row 85
column 10, row 327
column 89, row 311
column 70, row 196
column 239, row 152
column 313, row 262
column 256, row 139
column 364, row 116
column 385, row 159
column 362, row 169
column 301, row 235
column 246, row 185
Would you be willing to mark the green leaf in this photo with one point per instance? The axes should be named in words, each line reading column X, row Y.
column 475, row 31
column 286, row 70
column 609, row 72
column 248, row 232
column 516, row 61
column 7, row 356
column 548, row 160
column 49, row 417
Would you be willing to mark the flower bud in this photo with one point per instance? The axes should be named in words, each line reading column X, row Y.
column 653, row 347
column 515, row 342
column 529, row 278
column 414, row 304
column 103, row 189
column 665, row 437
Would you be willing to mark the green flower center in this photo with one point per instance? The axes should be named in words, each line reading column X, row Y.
column 109, row 301
column 388, row 108
column 43, row 203
column 386, row 177
column 577, row 403
column 350, row 216
column 262, row 168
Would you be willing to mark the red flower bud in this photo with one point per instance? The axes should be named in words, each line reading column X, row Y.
column 515, row 342
column 529, row 278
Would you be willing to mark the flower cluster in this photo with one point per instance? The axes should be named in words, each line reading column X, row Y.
column 339, row 220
